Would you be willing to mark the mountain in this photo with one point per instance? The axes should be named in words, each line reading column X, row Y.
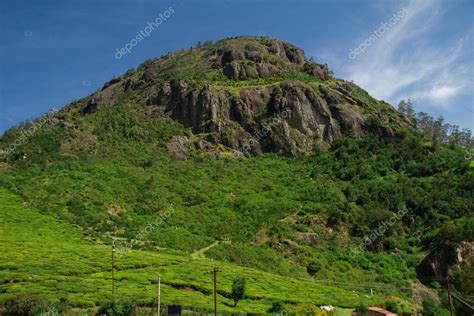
column 235, row 92
column 245, row 152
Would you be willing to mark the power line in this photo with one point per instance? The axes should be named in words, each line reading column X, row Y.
column 460, row 299
column 215, row 269
column 361, row 285
column 158, row 307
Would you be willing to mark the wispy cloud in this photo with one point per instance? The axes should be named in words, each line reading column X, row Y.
column 412, row 61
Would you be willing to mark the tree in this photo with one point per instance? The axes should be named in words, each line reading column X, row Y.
column 313, row 267
column 436, row 129
column 394, row 306
column 439, row 131
column 238, row 289
column 363, row 309
column 410, row 111
column 406, row 108
column 277, row 307
column 118, row 308
column 431, row 308
column 461, row 137
column 464, row 283
column 25, row 304
column 424, row 123
column 402, row 107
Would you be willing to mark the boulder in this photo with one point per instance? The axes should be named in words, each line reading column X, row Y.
column 178, row 148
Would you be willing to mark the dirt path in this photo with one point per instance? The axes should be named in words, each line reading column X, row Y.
column 199, row 254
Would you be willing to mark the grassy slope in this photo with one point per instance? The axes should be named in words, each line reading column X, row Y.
column 42, row 256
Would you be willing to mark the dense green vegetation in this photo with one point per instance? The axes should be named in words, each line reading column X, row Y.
column 301, row 230
column 52, row 262
column 267, row 207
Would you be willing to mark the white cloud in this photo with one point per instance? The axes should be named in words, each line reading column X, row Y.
column 411, row 61
column 443, row 92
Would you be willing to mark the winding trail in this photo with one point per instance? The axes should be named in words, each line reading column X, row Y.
column 199, row 254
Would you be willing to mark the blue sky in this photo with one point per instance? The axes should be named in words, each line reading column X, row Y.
column 53, row 52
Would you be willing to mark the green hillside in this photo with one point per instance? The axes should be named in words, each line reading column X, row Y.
column 343, row 198
column 52, row 260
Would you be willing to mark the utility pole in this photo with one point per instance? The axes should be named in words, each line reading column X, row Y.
column 215, row 269
column 451, row 307
column 159, row 294
column 113, row 271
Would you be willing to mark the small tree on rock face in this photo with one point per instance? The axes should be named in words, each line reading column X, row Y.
column 238, row 289
column 402, row 107
column 406, row 108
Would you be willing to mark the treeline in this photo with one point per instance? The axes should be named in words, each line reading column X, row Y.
column 438, row 130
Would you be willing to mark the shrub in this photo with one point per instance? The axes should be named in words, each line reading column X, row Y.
column 277, row 307
column 308, row 309
column 238, row 289
column 25, row 304
column 431, row 308
column 117, row 308
column 363, row 310
column 394, row 306
column 313, row 267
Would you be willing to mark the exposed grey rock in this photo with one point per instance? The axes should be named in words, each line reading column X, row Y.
column 318, row 71
column 108, row 96
column 178, row 148
column 291, row 244
column 91, row 107
column 254, row 119
column 250, row 119
column 437, row 265
column 350, row 119
column 229, row 55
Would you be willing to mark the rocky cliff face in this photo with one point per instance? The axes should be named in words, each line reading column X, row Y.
column 252, row 95
column 287, row 118
column 438, row 265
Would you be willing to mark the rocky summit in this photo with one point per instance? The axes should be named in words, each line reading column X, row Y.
column 251, row 95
